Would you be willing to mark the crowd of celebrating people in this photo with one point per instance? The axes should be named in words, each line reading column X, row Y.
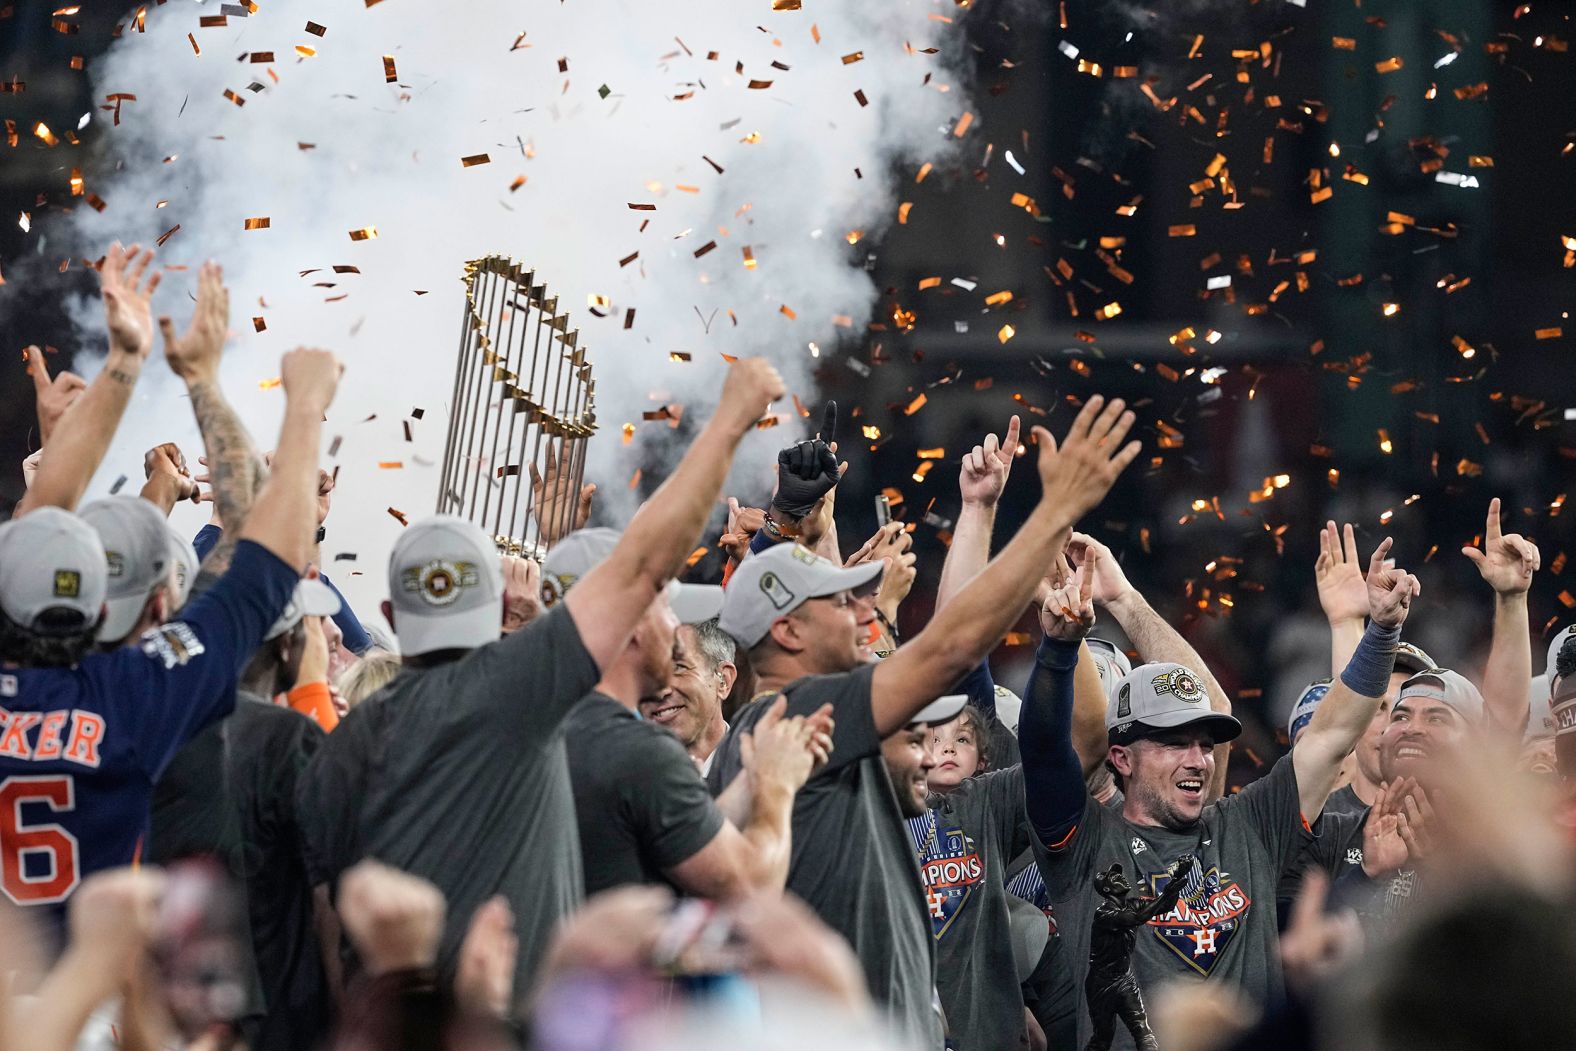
column 577, row 805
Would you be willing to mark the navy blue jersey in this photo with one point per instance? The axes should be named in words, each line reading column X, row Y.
column 81, row 748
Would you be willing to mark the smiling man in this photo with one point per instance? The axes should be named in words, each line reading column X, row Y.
column 703, row 677
column 1162, row 735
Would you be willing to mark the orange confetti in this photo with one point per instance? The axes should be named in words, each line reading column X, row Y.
column 366, row 233
column 962, row 126
column 1182, row 230
column 389, row 75
column 915, row 405
column 474, row 159
column 262, row 222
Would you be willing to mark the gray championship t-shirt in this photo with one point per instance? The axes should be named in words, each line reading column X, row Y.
column 641, row 803
column 1336, row 846
column 457, row 774
column 1344, row 800
column 963, row 844
column 1224, row 926
column 852, row 861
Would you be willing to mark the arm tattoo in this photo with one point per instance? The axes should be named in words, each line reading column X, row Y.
column 124, row 378
column 233, row 464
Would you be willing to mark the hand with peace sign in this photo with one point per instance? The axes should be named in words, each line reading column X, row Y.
column 986, row 466
column 54, row 395
column 1507, row 560
column 1068, row 611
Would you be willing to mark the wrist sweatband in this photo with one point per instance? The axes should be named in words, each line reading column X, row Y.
column 1368, row 672
column 760, row 542
column 1057, row 654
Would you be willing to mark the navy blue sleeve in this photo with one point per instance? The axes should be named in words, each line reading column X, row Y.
column 357, row 640
column 181, row 676
column 981, row 689
column 1053, row 777
column 206, row 540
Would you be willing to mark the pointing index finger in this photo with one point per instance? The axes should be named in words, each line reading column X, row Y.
column 828, row 430
column 38, row 369
column 1491, row 532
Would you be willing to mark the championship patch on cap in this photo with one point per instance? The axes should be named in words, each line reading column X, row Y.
column 116, row 563
column 1124, row 701
column 1180, row 683
column 775, row 590
column 804, row 554
column 68, row 583
column 440, row 582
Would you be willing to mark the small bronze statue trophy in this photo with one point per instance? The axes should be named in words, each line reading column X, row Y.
column 1111, row 986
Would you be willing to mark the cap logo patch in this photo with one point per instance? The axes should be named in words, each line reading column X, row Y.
column 440, row 582
column 1181, row 684
column 68, row 583
column 117, row 563
column 803, row 554
column 776, row 591
column 553, row 589
column 1124, row 701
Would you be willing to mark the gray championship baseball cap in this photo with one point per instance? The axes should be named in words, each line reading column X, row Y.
column 445, row 586
column 1302, row 711
column 52, row 572
column 1447, row 687
column 941, row 710
column 311, row 598
column 137, row 552
column 1157, row 697
column 583, row 550
column 778, row 581
column 1558, row 642
column 1410, row 658
column 183, row 566
column 1110, row 661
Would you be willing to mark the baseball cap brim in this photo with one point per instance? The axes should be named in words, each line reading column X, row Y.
column 941, row 710
column 120, row 616
column 853, row 578
column 311, row 598
column 427, row 632
column 1222, row 727
column 695, row 603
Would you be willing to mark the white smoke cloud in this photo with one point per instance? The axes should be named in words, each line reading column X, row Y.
column 484, row 76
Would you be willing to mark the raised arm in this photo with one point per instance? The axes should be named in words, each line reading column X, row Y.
column 235, row 469
column 1075, row 478
column 1155, row 640
column 169, row 482
column 1507, row 563
column 78, row 446
column 1055, row 792
column 1349, row 707
column 284, row 518
column 981, row 481
column 54, row 396
column 1342, row 593
column 610, row 601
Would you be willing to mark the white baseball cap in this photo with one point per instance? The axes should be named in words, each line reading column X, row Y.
column 445, row 586
column 941, row 710
column 183, row 565
column 311, row 598
column 1163, row 696
column 1449, row 688
column 583, row 550
column 778, row 581
column 52, row 563
column 1009, row 709
column 1302, row 711
column 137, row 552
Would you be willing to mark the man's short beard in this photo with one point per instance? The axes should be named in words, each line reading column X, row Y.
column 904, row 790
column 1162, row 809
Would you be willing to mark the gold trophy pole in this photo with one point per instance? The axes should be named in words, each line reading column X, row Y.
column 523, row 396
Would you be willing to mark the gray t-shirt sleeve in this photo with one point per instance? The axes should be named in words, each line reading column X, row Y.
column 854, row 734
column 534, row 675
column 1270, row 805
column 663, row 797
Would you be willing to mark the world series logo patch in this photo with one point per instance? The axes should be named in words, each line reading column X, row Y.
column 1206, row 918
column 951, row 869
